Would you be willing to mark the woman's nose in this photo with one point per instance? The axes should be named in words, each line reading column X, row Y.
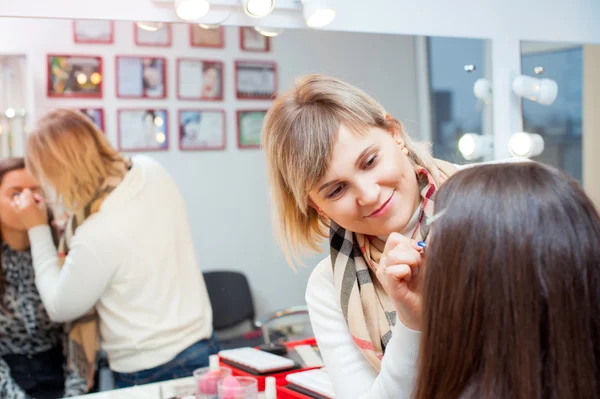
column 368, row 193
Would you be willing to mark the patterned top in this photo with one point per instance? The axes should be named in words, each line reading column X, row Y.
column 25, row 328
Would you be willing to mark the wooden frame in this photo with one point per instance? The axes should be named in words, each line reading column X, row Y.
column 181, row 132
column 239, row 113
column 248, row 95
column 136, row 36
column 60, row 77
column 219, row 68
column 145, row 112
column 143, row 81
column 218, row 44
column 264, row 47
column 109, row 40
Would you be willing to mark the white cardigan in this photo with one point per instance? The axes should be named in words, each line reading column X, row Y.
column 134, row 260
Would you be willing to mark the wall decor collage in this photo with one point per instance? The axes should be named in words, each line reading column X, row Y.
column 145, row 77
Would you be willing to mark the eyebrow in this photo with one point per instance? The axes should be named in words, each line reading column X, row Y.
column 357, row 163
column 21, row 188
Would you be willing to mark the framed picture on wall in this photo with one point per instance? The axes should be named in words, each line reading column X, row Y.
column 93, row 31
column 160, row 37
column 199, row 79
column 141, row 77
column 78, row 76
column 202, row 129
column 249, row 127
column 202, row 37
column 255, row 80
column 251, row 40
column 142, row 130
column 95, row 114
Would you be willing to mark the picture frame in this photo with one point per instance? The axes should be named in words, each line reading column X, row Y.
column 141, row 77
column 210, row 38
column 162, row 37
column 255, row 80
column 249, row 127
column 252, row 40
column 202, row 130
column 142, row 129
column 90, row 31
column 200, row 79
column 96, row 115
column 74, row 76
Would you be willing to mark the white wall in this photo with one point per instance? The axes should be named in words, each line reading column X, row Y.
column 505, row 22
column 226, row 192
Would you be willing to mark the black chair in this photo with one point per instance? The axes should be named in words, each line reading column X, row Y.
column 232, row 306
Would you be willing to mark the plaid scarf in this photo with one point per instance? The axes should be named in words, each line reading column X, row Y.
column 83, row 333
column 368, row 310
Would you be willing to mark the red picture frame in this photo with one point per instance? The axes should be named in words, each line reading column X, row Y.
column 59, row 77
column 110, row 40
column 137, row 42
column 120, row 147
column 144, row 94
column 238, row 114
column 222, row 147
column 219, row 44
column 221, row 68
column 269, row 96
column 244, row 45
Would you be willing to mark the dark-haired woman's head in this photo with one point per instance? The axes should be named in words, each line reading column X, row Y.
column 512, row 287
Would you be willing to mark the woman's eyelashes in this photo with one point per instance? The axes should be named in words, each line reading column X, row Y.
column 371, row 160
column 339, row 189
column 336, row 191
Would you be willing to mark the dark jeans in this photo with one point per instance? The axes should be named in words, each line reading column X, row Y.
column 184, row 364
column 40, row 375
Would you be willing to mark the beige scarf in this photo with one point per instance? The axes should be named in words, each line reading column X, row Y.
column 368, row 311
column 84, row 335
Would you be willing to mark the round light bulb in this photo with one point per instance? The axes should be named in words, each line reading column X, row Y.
column 150, row 26
column 319, row 17
column 160, row 137
column 466, row 145
column 95, row 78
column 522, row 144
column 158, row 121
column 82, row 79
column 10, row 112
column 190, row 10
column 268, row 32
column 258, row 8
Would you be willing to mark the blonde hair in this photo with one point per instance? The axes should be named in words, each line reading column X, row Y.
column 69, row 153
column 298, row 137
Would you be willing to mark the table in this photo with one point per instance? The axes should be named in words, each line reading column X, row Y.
column 157, row 390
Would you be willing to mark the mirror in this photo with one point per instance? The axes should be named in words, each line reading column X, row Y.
column 560, row 123
column 149, row 85
column 194, row 98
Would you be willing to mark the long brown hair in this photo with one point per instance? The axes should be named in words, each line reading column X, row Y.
column 511, row 288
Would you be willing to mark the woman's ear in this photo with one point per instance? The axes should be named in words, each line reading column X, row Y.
column 394, row 129
column 316, row 208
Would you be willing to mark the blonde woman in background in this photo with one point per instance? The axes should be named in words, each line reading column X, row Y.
column 126, row 258
column 341, row 167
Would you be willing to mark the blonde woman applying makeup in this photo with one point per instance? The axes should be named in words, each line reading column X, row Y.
column 341, row 167
column 126, row 259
